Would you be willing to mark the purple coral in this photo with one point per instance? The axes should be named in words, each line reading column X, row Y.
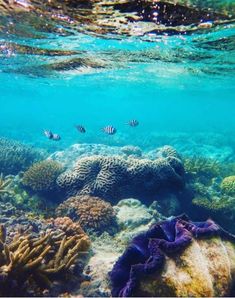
column 146, row 253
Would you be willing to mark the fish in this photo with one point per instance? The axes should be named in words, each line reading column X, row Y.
column 51, row 136
column 133, row 123
column 48, row 134
column 56, row 137
column 109, row 129
column 80, row 128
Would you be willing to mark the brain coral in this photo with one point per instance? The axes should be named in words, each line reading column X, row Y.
column 41, row 176
column 117, row 177
column 92, row 213
column 228, row 185
column 16, row 157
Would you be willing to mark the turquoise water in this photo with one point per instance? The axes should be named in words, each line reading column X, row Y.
column 160, row 84
column 170, row 65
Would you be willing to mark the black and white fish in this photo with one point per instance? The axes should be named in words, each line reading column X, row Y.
column 56, row 137
column 80, row 128
column 52, row 136
column 109, row 129
column 48, row 134
column 133, row 123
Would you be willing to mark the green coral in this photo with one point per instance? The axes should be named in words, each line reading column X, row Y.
column 202, row 168
column 228, row 185
column 41, row 176
column 4, row 185
column 16, row 157
column 216, row 204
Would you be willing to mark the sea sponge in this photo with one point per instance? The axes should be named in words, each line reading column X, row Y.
column 115, row 177
column 16, row 157
column 92, row 213
column 41, row 176
column 228, row 185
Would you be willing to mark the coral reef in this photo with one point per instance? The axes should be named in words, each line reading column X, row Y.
column 69, row 156
column 16, row 157
column 228, row 185
column 23, row 199
column 4, row 186
column 41, row 176
column 216, row 204
column 131, row 151
column 93, row 214
column 115, row 177
column 175, row 246
column 202, row 168
column 34, row 263
column 131, row 213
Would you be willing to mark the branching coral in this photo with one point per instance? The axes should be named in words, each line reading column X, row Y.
column 216, row 204
column 202, row 168
column 92, row 213
column 16, row 157
column 28, row 261
column 228, row 185
column 115, row 177
column 41, row 176
column 149, row 252
column 4, row 185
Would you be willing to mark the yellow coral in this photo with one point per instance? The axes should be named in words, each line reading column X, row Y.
column 4, row 183
column 228, row 185
column 41, row 176
column 38, row 260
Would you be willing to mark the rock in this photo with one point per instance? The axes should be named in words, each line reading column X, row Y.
column 131, row 213
column 105, row 252
column 205, row 269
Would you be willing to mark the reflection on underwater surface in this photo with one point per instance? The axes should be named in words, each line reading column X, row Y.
column 77, row 204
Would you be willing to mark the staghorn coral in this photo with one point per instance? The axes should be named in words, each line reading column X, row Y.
column 228, row 185
column 221, row 207
column 41, row 176
column 201, row 168
column 4, row 186
column 115, row 177
column 16, row 157
column 92, row 213
column 163, row 261
column 216, row 204
column 36, row 262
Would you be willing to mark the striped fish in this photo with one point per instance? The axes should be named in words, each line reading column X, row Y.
column 110, row 130
column 48, row 134
column 133, row 123
column 56, row 137
column 80, row 128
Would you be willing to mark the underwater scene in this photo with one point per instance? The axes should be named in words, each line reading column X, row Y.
column 117, row 148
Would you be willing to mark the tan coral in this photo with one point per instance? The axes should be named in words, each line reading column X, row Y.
column 114, row 177
column 37, row 260
column 205, row 269
column 4, row 183
column 41, row 176
column 91, row 212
